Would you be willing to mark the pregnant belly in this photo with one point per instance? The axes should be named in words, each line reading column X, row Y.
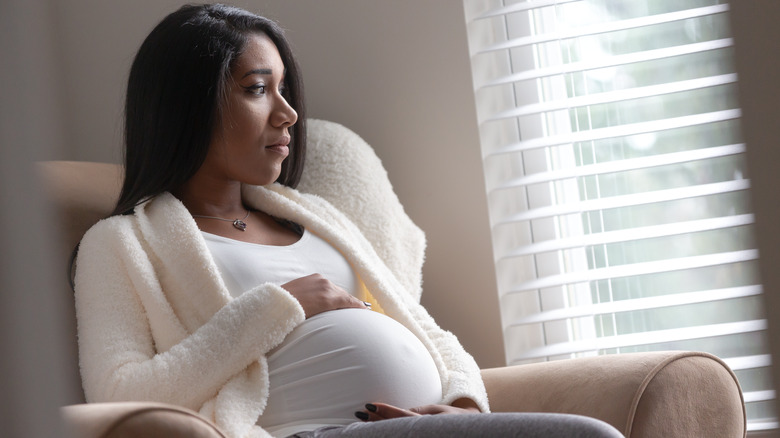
column 335, row 362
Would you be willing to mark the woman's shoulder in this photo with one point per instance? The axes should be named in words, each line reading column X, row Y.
column 121, row 224
column 109, row 228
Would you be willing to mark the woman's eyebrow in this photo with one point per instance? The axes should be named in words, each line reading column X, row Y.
column 258, row 71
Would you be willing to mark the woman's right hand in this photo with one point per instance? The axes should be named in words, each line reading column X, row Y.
column 317, row 294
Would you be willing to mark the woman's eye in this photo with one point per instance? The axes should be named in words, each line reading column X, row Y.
column 256, row 89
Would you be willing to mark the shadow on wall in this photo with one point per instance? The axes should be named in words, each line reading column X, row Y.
column 32, row 358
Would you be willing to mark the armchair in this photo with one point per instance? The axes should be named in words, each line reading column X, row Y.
column 660, row 394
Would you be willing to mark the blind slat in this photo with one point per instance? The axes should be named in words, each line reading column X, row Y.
column 762, row 424
column 624, row 165
column 630, row 235
column 520, row 7
column 612, row 26
column 619, row 131
column 749, row 362
column 611, row 61
column 631, row 200
column 616, row 96
column 758, row 396
column 645, row 338
column 638, row 304
column 634, row 269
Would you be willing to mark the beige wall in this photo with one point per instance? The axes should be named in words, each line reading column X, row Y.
column 757, row 42
column 396, row 72
column 33, row 360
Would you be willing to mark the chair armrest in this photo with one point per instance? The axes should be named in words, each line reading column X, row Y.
column 136, row 419
column 659, row 394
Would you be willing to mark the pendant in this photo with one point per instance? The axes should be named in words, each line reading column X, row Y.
column 239, row 224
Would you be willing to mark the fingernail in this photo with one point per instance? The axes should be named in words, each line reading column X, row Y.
column 361, row 415
column 371, row 407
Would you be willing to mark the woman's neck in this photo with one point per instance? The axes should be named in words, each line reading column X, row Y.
column 210, row 197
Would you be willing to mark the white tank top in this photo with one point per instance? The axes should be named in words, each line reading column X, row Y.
column 335, row 362
column 244, row 265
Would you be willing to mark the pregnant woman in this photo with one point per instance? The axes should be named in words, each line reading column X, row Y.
column 215, row 285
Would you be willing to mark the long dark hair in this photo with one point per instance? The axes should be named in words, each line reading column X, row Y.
column 175, row 94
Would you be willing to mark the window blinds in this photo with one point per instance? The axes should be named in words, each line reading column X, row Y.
column 616, row 182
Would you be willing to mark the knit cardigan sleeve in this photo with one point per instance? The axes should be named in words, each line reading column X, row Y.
column 117, row 288
column 464, row 379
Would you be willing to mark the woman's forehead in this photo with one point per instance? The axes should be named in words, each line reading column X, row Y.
column 260, row 56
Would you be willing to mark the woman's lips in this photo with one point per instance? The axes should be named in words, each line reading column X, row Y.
column 281, row 146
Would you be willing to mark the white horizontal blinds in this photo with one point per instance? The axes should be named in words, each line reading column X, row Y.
column 616, row 182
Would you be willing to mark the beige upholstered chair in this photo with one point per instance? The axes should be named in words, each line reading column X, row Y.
column 662, row 394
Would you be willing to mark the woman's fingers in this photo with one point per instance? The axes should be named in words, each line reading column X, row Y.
column 383, row 411
column 443, row 409
column 430, row 409
column 317, row 294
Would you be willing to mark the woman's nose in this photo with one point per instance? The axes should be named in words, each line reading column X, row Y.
column 284, row 115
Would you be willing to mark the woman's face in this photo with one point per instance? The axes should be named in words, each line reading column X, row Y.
column 250, row 141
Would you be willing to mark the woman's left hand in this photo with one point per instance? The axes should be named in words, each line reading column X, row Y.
column 384, row 411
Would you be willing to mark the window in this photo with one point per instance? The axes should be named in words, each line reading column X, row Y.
column 616, row 182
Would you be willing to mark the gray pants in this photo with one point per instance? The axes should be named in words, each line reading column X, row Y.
column 499, row 425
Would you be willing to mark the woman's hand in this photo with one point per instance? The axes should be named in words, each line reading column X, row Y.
column 383, row 411
column 317, row 294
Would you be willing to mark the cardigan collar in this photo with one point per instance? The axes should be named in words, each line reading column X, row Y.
column 187, row 273
column 189, row 277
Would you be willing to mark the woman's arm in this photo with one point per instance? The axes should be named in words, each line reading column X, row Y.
column 464, row 379
column 119, row 359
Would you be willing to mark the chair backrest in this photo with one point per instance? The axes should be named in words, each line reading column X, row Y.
column 340, row 167
column 80, row 194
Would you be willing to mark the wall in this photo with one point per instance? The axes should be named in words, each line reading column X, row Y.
column 395, row 72
column 757, row 43
column 33, row 361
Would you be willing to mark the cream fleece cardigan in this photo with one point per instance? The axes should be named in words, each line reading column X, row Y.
column 156, row 322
